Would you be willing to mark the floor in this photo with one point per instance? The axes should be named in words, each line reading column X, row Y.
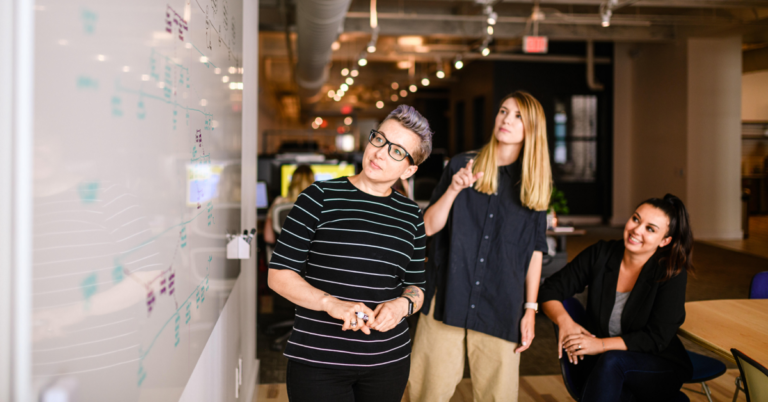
column 755, row 244
column 723, row 271
column 541, row 388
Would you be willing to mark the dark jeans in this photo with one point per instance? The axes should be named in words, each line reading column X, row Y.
column 620, row 375
column 378, row 384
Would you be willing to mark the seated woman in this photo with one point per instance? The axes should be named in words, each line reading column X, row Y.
column 628, row 348
column 302, row 178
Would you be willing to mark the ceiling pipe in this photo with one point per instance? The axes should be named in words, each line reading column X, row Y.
column 318, row 24
column 591, row 82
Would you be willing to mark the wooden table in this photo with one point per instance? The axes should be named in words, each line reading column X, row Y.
column 720, row 325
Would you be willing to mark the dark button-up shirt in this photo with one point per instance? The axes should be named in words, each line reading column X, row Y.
column 478, row 262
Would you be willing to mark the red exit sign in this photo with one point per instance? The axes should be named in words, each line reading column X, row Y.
column 535, row 44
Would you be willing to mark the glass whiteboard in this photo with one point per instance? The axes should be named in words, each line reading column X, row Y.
column 136, row 182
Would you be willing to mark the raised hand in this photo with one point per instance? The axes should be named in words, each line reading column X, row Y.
column 464, row 177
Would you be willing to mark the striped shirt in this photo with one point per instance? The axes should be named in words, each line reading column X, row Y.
column 355, row 247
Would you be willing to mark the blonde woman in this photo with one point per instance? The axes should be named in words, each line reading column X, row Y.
column 488, row 219
column 302, row 178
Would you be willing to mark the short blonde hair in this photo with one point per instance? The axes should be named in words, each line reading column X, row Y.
column 414, row 121
column 536, row 185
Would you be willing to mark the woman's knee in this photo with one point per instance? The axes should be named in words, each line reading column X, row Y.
column 613, row 360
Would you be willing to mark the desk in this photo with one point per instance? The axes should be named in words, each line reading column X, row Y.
column 561, row 236
column 556, row 263
column 720, row 325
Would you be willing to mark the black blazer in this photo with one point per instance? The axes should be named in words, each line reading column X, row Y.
column 653, row 313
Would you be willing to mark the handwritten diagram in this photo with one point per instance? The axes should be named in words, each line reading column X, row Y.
column 129, row 270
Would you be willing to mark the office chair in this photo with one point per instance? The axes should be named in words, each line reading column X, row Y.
column 705, row 369
column 753, row 376
column 279, row 215
column 574, row 380
column 758, row 289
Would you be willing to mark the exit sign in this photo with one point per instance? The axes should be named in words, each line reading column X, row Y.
column 535, row 44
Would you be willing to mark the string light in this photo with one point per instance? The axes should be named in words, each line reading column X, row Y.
column 425, row 82
column 395, row 85
column 354, row 73
column 331, row 94
column 350, row 81
column 344, row 72
column 485, row 51
column 440, row 74
column 458, row 63
column 380, row 104
column 413, row 88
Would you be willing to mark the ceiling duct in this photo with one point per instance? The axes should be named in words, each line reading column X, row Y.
column 318, row 24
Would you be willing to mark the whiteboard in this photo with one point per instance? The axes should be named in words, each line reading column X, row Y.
column 137, row 151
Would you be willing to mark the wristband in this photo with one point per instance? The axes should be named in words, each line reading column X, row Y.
column 532, row 306
column 410, row 306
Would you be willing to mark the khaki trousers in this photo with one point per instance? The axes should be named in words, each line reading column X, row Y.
column 437, row 363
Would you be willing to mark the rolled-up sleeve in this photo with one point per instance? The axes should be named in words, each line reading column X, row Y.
column 292, row 248
column 541, row 232
column 667, row 315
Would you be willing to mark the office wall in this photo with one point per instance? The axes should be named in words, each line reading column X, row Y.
column 659, row 127
column 714, row 137
column 754, row 96
column 677, row 124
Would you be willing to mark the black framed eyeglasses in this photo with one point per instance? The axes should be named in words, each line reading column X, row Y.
column 396, row 152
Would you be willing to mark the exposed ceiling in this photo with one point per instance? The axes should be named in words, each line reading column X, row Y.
column 439, row 31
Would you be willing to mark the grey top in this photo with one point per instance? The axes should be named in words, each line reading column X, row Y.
column 614, row 324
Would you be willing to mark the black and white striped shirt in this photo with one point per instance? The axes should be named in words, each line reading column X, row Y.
column 355, row 247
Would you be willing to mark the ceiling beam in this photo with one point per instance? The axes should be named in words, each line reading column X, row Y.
column 642, row 3
column 463, row 28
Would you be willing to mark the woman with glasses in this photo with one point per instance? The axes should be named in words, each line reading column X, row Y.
column 351, row 257
column 488, row 218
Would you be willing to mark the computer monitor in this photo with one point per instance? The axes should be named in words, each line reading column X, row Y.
column 322, row 172
column 262, row 198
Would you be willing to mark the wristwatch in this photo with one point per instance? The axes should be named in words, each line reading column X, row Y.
column 532, row 306
column 410, row 305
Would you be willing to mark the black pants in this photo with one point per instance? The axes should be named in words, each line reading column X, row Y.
column 630, row 376
column 379, row 384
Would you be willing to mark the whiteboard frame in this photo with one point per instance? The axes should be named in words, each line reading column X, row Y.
column 16, row 125
column 248, row 268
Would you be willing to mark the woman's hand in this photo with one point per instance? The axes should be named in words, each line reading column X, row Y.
column 527, row 330
column 568, row 330
column 389, row 314
column 578, row 345
column 464, row 177
column 346, row 311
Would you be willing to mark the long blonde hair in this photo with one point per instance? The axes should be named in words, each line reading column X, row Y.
column 536, row 186
column 303, row 177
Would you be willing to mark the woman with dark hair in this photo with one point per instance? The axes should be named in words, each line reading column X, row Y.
column 351, row 257
column 628, row 347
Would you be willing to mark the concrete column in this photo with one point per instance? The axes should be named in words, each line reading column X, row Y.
column 714, row 137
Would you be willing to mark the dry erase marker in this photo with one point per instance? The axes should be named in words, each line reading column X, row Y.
column 362, row 316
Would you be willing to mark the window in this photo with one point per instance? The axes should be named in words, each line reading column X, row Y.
column 575, row 148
